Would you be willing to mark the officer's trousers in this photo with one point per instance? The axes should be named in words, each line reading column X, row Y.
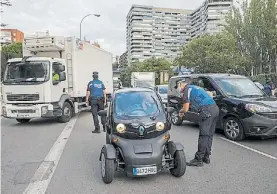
column 206, row 132
column 96, row 106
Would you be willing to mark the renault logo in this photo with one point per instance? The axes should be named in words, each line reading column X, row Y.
column 141, row 130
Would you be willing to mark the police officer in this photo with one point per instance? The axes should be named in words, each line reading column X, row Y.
column 208, row 113
column 269, row 87
column 96, row 97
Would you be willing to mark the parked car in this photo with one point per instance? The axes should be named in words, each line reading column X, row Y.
column 259, row 85
column 137, row 137
column 245, row 110
column 162, row 91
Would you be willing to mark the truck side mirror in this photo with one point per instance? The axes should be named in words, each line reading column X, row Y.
column 61, row 68
column 62, row 76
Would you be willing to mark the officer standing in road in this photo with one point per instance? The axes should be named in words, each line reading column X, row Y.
column 208, row 113
column 96, row 97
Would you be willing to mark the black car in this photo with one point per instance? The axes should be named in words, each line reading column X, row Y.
column 245, row 110
column 137, row 137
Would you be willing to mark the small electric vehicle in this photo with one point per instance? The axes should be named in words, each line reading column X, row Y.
column 137, row 136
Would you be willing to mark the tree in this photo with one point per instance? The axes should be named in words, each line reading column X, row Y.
column 254, row 28
column 7, row 52
column 212, row 54
column 150, row 65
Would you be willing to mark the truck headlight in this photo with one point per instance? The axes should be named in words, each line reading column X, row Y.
column 121, row 128
column 160, row 126
column 44, row 110
column 255, row 108
column 4, row 110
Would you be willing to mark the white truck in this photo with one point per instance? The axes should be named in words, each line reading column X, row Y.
column 143, row 79
column 29, row 90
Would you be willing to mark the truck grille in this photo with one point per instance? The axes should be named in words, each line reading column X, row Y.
column 24, row 111
column 23, row 97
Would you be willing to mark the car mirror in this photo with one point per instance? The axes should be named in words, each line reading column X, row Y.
column 102, row 113
column 170, row 109
column 62, row 76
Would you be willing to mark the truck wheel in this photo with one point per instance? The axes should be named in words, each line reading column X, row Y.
column 175, row 119
column 66, row 113
column 233, row 129
column 107, row 168
column 179, row 164
column 23, row 120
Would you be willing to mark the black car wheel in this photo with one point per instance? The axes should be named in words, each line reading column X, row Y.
column 233, row 129
column 23, row 120
column 66, row 113
column 175, row 119
column 107, row 168
column 179, row 164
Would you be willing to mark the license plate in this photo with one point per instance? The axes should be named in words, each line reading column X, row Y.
column 23, row 115
column 145, row 170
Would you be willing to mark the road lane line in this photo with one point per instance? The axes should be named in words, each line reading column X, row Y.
column 248, row 148
column 44, row 173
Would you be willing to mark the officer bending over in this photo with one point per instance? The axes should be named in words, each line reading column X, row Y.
column 96, row 97
column 208, row 114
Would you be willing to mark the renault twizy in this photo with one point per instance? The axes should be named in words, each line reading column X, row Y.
column 137, row 137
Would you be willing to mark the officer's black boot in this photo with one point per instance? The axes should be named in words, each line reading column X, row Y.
column 206, row 159
column 197, row 161
column 96, row 131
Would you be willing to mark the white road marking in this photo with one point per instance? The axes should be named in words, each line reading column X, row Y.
column 44, row 173
column 248, row 148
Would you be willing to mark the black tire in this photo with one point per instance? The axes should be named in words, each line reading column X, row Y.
column 23, row 120
column 233, row 129
column 66, row 113
column 175, row 119
column 107, row 168
column 180, row 164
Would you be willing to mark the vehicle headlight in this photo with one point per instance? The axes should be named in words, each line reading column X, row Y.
column 44, row 110
column 120, row 128
column 255, row 108
column 159, row 126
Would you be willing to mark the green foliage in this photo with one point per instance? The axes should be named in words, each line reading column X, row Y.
column 212, row 54
column 7, row 52
column 262, row 78
column 254, row 29
column 150, row 65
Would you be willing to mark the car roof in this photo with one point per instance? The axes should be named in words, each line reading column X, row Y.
column 211, row 75
column 125, row 90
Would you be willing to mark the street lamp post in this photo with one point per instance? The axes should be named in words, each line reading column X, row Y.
column 96, row 15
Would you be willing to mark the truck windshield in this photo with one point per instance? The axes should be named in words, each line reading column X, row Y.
column 144, row 84
column 27, row 72
column 236, row 87
column 136, row 104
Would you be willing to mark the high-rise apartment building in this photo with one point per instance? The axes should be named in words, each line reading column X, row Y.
column 208, row 17
column 158, row 32
column 9, row 36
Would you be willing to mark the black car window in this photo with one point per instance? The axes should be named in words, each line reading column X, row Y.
column 137, row 104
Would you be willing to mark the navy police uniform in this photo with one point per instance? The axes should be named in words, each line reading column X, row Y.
column 97, row 101
column 208, row 113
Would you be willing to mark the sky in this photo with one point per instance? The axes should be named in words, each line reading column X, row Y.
column 62, row 18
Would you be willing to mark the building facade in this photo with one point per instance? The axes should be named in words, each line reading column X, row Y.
column 123, row 59
column 158, row 32
column 208, row 17
column 9, row 36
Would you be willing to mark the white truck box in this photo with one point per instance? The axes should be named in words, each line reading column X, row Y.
column 82, row 59
column 143, row 79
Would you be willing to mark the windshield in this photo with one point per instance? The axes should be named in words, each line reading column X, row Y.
column 137, row 104
column 144, row 84
column 237, row 87
column 30, row 71
column 163, row 89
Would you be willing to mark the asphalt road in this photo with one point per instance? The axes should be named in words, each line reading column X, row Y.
column 247, row 167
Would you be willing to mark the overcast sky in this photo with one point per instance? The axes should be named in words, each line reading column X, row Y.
column 62, row 17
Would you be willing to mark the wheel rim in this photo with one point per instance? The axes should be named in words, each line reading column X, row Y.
column 66, row 112
column 103, row 164
column 174, row 117
column 232, row 128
